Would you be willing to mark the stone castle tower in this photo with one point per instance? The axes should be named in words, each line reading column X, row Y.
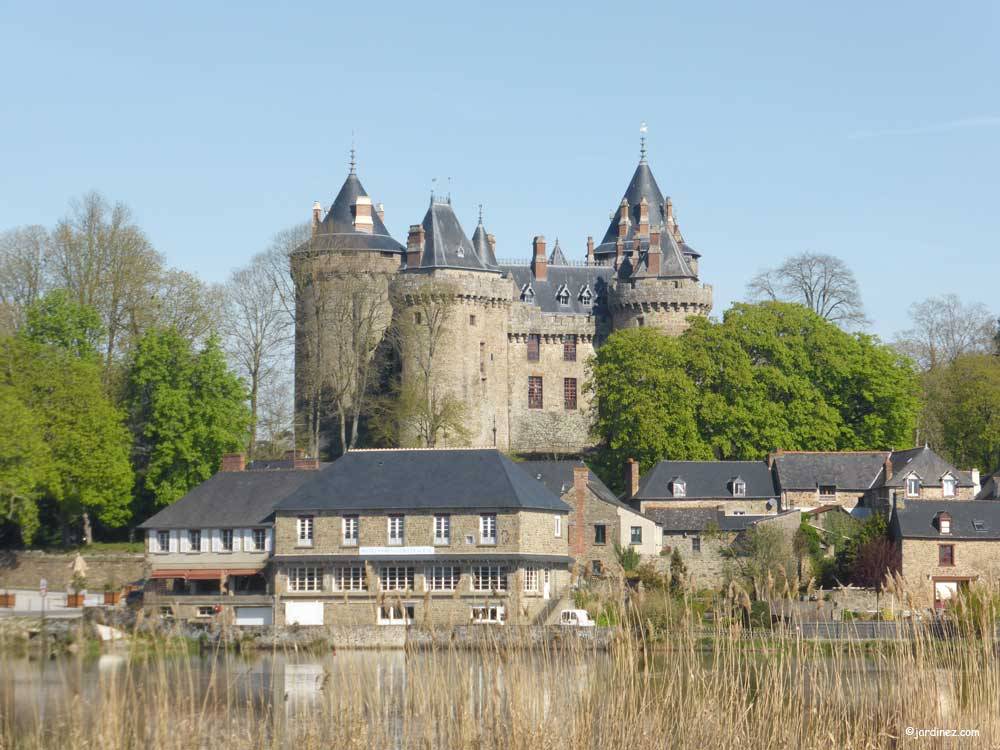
column 504, row 345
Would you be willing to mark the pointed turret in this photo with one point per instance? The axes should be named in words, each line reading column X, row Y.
column 557, row 258
column 445, row 244
column 482, row 242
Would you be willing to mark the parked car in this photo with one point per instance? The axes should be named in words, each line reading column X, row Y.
column 576, row 618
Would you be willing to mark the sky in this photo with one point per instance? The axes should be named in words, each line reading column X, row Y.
column 870, row 131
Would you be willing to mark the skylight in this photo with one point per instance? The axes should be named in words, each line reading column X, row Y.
column 979, row 525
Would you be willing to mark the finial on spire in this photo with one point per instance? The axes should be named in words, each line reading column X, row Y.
column 642, row 142
column 433, row 182
column 480, row 214
column 354, row 154
column 449, row 191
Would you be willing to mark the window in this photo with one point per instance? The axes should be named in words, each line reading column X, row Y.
column 828, row 491
column 739, row 512
column 226, row 537
column 600, row 533
column 305, row 579
column 527, row 293
column 442, row 578
column 739, row 488
column 557, row 530
column 206, row 611
column 948, row 485
column 163, row 541
column 640, row 321
column 534, row 391
column 482, row 357
column 944, row 523
column 562, row 296
column 417, row 318
column 913, row 486
column 395, row 614
column 531, row 580
column 442, row 529
column 637, row 535
column 349, row 578
column 488, row 528
column 679, row 488
column 569, row 393
column 946, row 555
column 350, row 527
column 396, row 578
column 472, row 320
column 258, row 538
column 979, row 525
column 304, row 526
column 194, row 540
column 585, row 295
column 596, row 568
column 395, row 529
column 534, row 347
column 696, row 544
column 481, row 615
column 569, row 348
column 489, row 578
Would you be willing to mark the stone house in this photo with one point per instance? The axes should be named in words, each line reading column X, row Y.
column 598, row 519
column 867, row 479
column 944, row 546
column 734, row 487
column 429, row 537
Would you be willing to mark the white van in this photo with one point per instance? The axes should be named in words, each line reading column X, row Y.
column 576, row 618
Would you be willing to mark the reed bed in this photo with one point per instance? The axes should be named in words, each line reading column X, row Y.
column 726, row 686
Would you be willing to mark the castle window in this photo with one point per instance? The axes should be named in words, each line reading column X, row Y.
column 569, row 393
column 640, row 321
column 562, row 296
column 472, row 320
column 534, row 391
column 482, row 357
column 417, row 318
column 534, row 347
column 527, row 293
column 586, row 296
column 946, row 555
column 569, row 348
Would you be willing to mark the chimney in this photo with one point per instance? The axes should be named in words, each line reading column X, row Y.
column 491, row 240
column 631, row 478
column 414, row 245
column 590, row 251
column 643, row 218
column 539, row 263
column 304, row 463
column 976, row 483
column 619, row 251
column 668, row 211
column 581, row 477
column 233, row 462
column 887, row 466
column 362, row 210
column 623, row 219
column 380, row 211
column 770, row 460
column 317, row 213
column 654, row 256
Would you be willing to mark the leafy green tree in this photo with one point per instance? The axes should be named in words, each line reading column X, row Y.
column 57, row 320
column 185, row 410
column 89, row 472
column 678, row 571
column 25, row 464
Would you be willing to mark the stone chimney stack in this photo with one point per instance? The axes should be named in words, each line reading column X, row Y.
column 631, row 478
column 362, row 210
column 414, row 245
column 976, row 482
column 380, row 211
column 233, row 462
column 619, row 252
column 581, row 477
column 655, row 255
column 887, row 467
column 491, row 240
column 668, row 211
column 644, row 218
column 317, row 216
column 307, row 464
column 539, row 261
column 590, row 251
column 623, row 220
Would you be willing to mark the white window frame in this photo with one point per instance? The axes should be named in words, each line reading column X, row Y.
column 488, row 528
column 192, row 547
column 557, row 526
column 222, row 540
column 162, row 536
column 488, row 614
column 442, row 529
column 531, row 580
column 304, row 529
column 262, row 547
column 910, row 481
column 395, row 529
column 349, row 578
column 303, row 578
column 396, row 614
column 205, row 610
column 489, row 578
column 679, row 488
column 396, row 578
column 442, row 578
column 949, row 486
column 739, row 488
column 632, row 531
column 350, row 527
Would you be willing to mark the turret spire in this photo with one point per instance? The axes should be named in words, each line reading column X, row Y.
column 642, row 142
column 354, row 158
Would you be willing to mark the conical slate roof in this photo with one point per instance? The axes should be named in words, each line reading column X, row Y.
column 556, row 258
column 445, row 242
column 481, row 243
column 337, row 232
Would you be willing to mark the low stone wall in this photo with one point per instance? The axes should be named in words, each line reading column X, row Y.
column 25, row 569
column 861, row 600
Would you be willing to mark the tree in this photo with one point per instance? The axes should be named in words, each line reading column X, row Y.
column 86, row 438
column 57, row 320
column 185, row 411
column 25, row 464
column 823, row 283
column 678, row 571
column 944, row 328
column 762, row 558
column 24, row 273
column 876, row 562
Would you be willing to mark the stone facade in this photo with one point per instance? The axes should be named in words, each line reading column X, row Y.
column 25, row 569
column 922, row 570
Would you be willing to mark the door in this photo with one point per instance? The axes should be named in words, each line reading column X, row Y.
column 944, row 592
column 250, row 616
column 303, row 613
column 546, row 586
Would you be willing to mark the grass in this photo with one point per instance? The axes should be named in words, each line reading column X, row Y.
column 671, row 684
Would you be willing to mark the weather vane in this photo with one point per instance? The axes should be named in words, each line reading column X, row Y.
column 642, row 141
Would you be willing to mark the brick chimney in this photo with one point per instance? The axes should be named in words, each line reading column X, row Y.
column 644, row 218
column 233, row 462
column 491, row 240
column 631, row 478
column 317, row 216
column 302, row 462
column 539, row 262
column 362, row 210
column 668, row 211
column 623, row 221
column 414, row 245
column 380, row 212
column 655, row 256
column 590, row 251
column 578, row 544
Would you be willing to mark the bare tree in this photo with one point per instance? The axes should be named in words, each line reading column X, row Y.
column 185, row 302
column 275, row 416
column 944, row 328
column 823, row 283
column 24, row 277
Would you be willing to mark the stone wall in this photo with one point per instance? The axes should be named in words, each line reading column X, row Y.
column 750, row 506
column 24, row 570
column 847, row 499
column 973, row 561
column 705, row 568
column 582, row 534
column 665, row 304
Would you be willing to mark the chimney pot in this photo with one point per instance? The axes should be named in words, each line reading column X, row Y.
column 590, row 251
column 539, row 262
column 317, row 216
column 380, row 211
column 414, row 245
column 362, row 210
column 233, row 462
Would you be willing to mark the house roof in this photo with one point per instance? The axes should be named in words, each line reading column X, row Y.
column 916, row 519
column 557, row 476
column 691, row 520
column 471, row 479
column 847, row 470
column 574, row 277
column 707, row 479
column 231, row 498
column 481, row 244
column 927, row 465
column 990, row 488
column 337, row 232
column 445, row 242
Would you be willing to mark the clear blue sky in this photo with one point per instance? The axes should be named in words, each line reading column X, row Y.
column 867, row 130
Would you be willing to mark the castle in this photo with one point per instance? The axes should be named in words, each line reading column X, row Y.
column 503, row 344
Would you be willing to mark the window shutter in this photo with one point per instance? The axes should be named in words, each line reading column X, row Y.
column 247, row 536
column 268, row 539
column 185, row 541
column 216, row 541
column 204, row 542
column 237, row 538
column 151, row 540
column 174, row 538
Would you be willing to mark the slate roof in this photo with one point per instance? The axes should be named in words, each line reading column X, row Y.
column 445, row 242
column 916, row 519
column 481, row 244
column 927, row 465
column 692, row 520
column 707, row 479
column 575, row 278
column 557, row 476
column 422, row 480
column 231, row 498
column 336, row 231
column 846, row 470
column 990, row 488
column 556, row 257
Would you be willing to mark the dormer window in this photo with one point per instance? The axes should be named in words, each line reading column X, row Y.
column 913, row 486
column 562, row 295
column 586, row 296
column 527, row 293
column 948, row 485
column 944, row 523
column 679, row 488
column 460, row 252
column 739, row 488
